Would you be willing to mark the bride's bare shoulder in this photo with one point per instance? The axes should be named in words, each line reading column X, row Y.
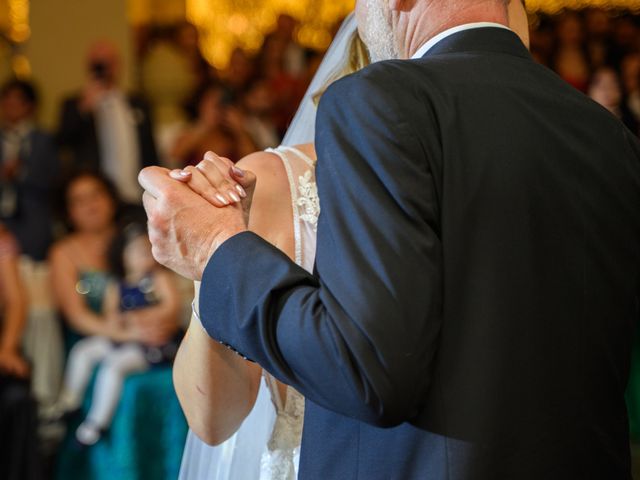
column 268, row 162
column 262, row 163
column 270, row 209
column 269, row 170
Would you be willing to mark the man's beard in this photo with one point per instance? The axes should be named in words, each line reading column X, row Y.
column 378, row 33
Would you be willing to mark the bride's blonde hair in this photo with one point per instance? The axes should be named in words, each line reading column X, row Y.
column 356, row 58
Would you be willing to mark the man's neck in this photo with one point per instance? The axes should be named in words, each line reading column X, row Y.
column 423, row 28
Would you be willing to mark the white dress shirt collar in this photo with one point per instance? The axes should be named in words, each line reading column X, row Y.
column 447, row 33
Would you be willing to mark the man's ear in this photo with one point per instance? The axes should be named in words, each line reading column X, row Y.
column 401, row 5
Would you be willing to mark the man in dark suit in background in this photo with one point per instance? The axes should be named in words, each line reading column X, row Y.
column 29, row 170
column 105, row 130
column 478, row 263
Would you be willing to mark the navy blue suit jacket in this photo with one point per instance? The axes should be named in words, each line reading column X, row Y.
column 35, row 185
column 477, row 275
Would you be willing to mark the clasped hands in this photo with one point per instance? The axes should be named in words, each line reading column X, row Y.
column 193, row 211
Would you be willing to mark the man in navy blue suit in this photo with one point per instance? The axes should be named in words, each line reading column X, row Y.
column 29, row 169
column 478, row 263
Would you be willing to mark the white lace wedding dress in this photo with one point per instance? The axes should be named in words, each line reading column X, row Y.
column 267, row 445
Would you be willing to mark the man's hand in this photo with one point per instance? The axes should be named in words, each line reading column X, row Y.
column 185, row 229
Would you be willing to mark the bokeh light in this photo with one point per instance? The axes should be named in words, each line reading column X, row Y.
column 228, row 24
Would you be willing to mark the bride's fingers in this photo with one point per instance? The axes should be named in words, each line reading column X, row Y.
column 245, row 178
column 224, row 165
column 203, row 187
column 180, row 175
column 215, row 165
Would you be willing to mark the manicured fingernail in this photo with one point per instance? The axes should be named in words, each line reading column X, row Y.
column 241, row 191
column 222, row 199
column 238, row 172
column 179, row 174
column 210, row 156
column 235, row 197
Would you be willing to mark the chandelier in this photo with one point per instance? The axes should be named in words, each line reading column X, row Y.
column 227, row 24
column 14, row 20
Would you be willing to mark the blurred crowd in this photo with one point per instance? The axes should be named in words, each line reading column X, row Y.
column 235, row 111
column 598, row 53
column 67, row 196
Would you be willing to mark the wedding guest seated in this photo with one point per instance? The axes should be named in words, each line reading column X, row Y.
column 571, row 60
column 597, row 24
column 19, row 450
column 148, row 413
column 213, row 128
column 258, row 103
column 606, row 89
column 187, row 40
column 79, row 267
column 625, row 38
column 28, row 170
column 630, row 72
column 294, row 55
column 238, row 73
column 284, row 86
column 543, row 42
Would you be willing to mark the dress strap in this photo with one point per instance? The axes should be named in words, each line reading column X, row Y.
column 300, row 154
column 282, row 153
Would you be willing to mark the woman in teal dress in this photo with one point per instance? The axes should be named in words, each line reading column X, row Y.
column 148, row 423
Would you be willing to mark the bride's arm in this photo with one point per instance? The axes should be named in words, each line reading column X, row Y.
column 216, row 387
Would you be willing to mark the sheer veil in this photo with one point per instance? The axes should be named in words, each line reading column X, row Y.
column 303, row 127
column 239, row 457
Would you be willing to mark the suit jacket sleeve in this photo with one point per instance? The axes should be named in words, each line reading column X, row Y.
column 358, row 337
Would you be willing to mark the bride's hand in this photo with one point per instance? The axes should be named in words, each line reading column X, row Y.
column 219, row 181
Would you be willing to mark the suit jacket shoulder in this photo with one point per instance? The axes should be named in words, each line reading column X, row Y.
column 373, row 92
column 379, row 83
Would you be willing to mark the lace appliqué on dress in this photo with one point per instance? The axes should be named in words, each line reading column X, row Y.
column 283, row 452
column 281, row 459
column 308, row 200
